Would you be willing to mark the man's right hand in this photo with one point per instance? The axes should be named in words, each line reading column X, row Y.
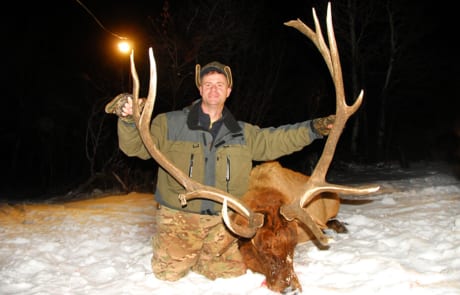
column 122, row 106
column 127, row 108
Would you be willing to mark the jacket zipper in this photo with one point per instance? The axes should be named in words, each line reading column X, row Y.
column 204, row 141
column 227, row 173
column 190, row 168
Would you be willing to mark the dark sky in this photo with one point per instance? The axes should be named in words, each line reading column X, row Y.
column 53, row 49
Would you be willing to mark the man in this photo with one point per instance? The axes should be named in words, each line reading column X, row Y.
column 205, row 141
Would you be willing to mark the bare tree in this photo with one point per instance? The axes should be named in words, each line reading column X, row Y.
column 97, row 134
column 404, row 70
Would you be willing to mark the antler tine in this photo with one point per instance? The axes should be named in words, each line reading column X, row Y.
column 318, row 40
column 193, row 188
column 136, row 111
column 317, row 182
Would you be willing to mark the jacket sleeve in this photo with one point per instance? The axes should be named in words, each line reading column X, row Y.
column 271, row 143
column 130, row 141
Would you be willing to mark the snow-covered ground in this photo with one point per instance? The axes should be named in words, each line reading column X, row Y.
column 404, row 239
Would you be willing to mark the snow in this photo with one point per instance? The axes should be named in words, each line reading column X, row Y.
column 403, row 239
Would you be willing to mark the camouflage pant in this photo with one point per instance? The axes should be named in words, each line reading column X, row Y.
column 186, row 241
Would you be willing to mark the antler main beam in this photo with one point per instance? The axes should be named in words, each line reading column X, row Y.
column 317, row 182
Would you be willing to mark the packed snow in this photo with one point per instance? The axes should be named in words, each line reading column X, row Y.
column 404, row 239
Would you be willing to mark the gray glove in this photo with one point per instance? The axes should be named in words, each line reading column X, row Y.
column 115, row 106
column 320, row 125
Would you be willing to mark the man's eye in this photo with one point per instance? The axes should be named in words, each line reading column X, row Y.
column 218, row 85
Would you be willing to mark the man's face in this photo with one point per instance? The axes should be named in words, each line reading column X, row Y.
column 214, row 89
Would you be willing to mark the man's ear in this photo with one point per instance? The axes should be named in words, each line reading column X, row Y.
column 229, row 90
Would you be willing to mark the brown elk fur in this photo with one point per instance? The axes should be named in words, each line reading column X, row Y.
column 271, row 251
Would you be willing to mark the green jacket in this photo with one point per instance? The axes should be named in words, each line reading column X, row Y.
column 223, row 161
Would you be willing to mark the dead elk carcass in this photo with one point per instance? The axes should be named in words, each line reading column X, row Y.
column 295, row 207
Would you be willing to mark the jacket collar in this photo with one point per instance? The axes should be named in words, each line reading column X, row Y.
column 198, row 120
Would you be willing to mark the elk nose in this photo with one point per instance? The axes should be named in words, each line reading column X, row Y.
column 290, row 291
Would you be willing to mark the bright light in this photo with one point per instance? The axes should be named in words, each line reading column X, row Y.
column 124, row 47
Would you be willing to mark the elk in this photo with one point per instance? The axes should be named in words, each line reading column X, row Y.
column 281, row 207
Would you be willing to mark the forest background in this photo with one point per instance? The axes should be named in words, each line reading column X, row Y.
column 62, row 67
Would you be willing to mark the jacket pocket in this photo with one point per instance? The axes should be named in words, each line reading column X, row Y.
column 234, row 164
column 188, row 157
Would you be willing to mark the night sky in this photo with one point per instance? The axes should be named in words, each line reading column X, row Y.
column 61, row 67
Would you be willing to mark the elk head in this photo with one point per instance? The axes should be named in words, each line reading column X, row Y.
column 271, row 250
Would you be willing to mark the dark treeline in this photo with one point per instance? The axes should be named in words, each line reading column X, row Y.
column 60, row 74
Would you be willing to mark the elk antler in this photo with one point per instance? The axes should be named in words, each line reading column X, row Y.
column 193, row 188
column 317, row 182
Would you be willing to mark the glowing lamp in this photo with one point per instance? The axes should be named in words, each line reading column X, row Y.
column 124, row 47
